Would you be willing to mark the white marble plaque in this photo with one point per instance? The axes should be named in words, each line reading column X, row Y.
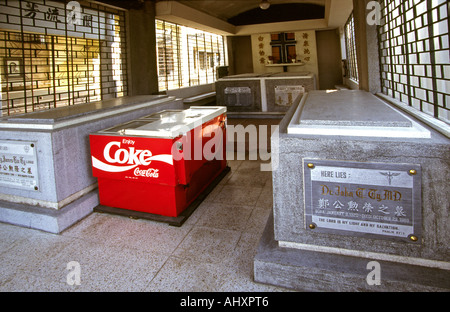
column 18, row 165
column 286, row 95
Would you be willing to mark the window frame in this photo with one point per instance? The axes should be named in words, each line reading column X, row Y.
column 64, row 61
column 195, row 55
column 352, row 71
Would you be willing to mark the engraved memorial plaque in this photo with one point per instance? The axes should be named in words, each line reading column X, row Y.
column 238, row 96
column 18, row 165
column 375, row 200
column 286, row 95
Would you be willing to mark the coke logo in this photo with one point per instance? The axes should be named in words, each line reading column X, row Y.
column 149, row 173
column 124, row 156
column 128, row 159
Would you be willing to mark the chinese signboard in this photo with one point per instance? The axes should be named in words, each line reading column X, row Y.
column 368, row 199
column 18, row 165
column 71, row 14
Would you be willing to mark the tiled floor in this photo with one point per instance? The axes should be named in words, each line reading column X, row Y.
column 212, row 251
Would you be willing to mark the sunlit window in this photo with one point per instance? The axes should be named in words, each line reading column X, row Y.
column 56, row 55
column 350, row 45
column 187, row 56
column 415, row 54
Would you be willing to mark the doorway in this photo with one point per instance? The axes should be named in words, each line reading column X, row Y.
column 329, row 58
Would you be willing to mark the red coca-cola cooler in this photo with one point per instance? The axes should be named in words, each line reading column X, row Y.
column 161, row 163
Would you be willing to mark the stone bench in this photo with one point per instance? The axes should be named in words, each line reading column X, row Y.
column 200, row 97
column 196, row 95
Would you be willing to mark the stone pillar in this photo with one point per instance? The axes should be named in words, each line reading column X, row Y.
column 142, row 74
column 366, row 48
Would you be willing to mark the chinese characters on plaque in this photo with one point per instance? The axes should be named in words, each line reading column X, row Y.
column 18, row 165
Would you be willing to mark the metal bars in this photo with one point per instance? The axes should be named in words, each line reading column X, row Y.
column 186, row 56
column 350, row 43
column 415, row 54
column 54, row 55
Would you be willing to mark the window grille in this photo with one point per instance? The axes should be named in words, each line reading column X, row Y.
column 187, row 56
column 56, row 54
column 415, row 54
column 350, row 43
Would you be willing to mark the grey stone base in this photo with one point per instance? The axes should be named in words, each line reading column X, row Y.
column 317, row 271
column 48, row 220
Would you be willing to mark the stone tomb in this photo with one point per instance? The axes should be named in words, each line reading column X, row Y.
column 46, row 179
column 361, row 199
column 270, row 92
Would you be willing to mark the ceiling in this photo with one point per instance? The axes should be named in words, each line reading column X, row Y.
column 236, row 17
column 222, row 9
column 226, row 9
column 124, row 4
